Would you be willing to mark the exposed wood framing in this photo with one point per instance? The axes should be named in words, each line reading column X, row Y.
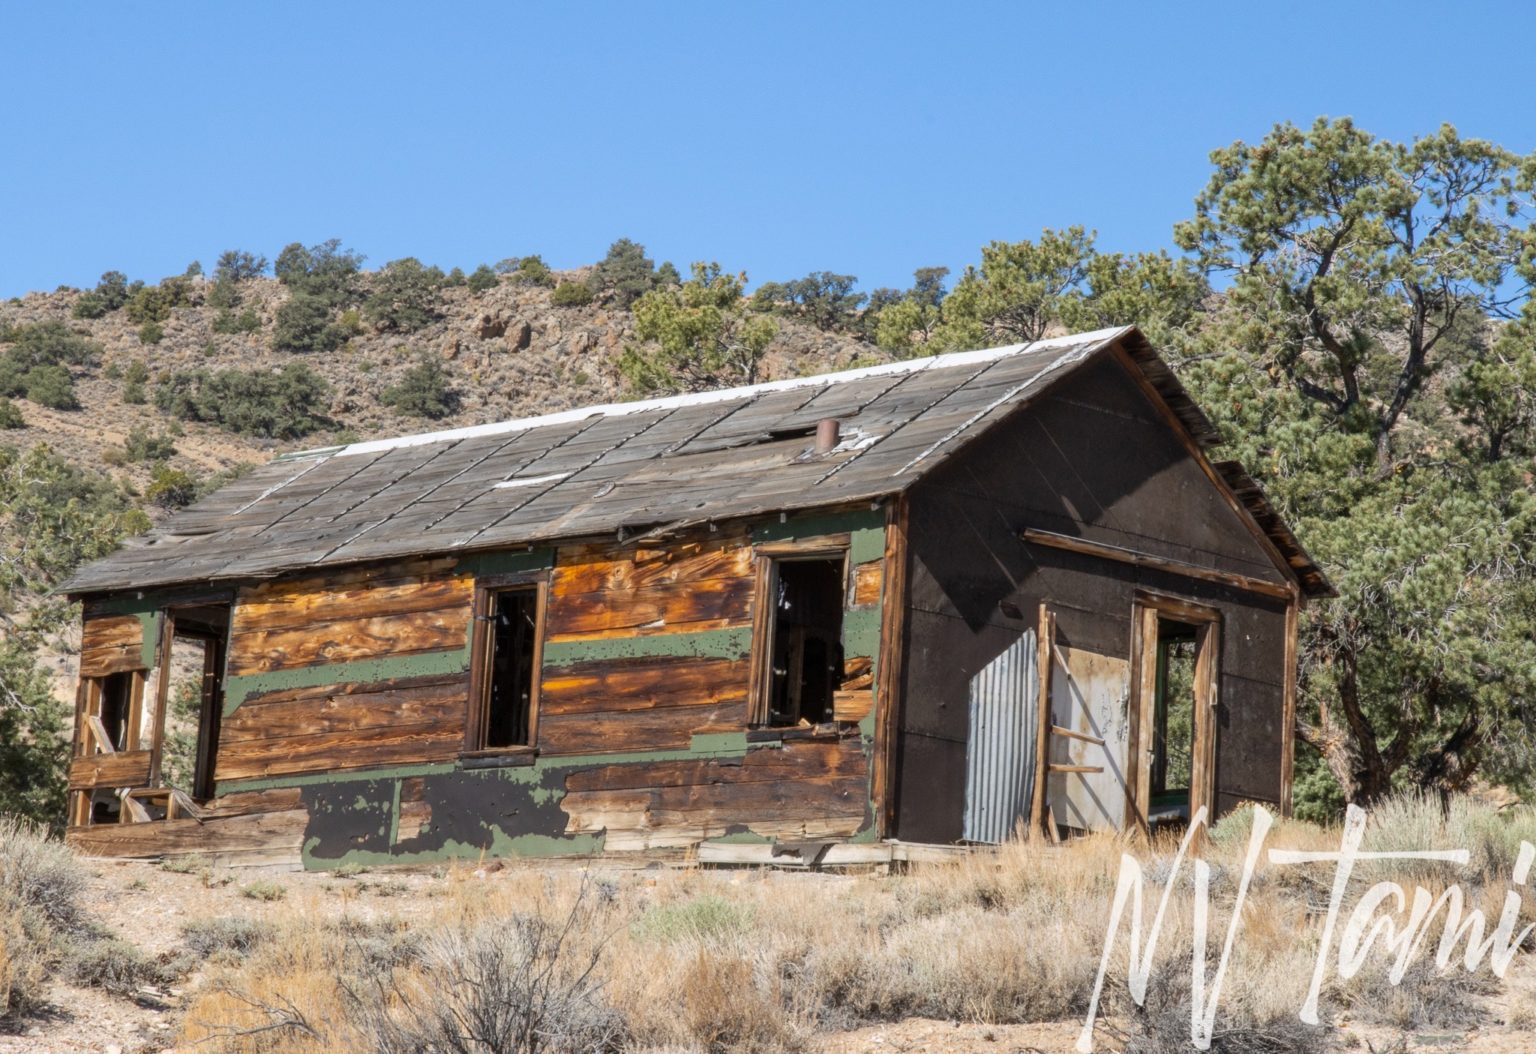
column 1288, row 711
column 1045, row 659
column 888, row 695
column 1156, row 563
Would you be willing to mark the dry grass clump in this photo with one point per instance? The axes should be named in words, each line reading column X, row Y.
column 45, row 931
column 747, row 961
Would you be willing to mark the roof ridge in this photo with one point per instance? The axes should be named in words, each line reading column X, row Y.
column 944, row 360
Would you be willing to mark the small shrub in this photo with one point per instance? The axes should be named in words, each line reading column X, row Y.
column 515, row 984
column 171, row 488
column 532, row 270
column 224, row 934
column 237, row 266
column 133, row 393
column 481, row 279
column 263, row 890
column 110, row 294
column 303, row 325
column 151, row 333
column 41, row 888
column 50, row 386
column 423, row 391
column 571, row 294
column 114, row 965
column 404, row 296
column 282, row 404
column 10, row 415
column 705, row 918
column 144, row 445
column 226, row 321
column 455, row 278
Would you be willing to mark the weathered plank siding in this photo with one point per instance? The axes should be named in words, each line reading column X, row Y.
column 347, row 695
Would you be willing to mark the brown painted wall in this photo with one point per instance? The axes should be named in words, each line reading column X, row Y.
column 1090, row 458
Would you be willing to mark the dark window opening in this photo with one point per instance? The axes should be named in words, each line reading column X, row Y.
column 806, row 653
column 509, row 697
column 1174, row 731
column 116, row 703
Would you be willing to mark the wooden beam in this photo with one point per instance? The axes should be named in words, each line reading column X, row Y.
column 1288, row 708
column 99, row 733
column 1104, row 551
column 888, row 675
column 1076, row 768
column 1044, row 660
column 1069, row 733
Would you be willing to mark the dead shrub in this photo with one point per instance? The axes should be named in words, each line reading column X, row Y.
column 728, row 1009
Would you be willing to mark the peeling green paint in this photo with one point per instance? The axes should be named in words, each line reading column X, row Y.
column 861, row 633
column 312, row 778
column 362, row 671
column 507, row 561
column 700, row 644
column 811, row 524
column 866, row 544
column 743, row 837
column 730, row 743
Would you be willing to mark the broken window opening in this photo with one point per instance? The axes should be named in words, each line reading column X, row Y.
column 1174, row 721
column 510, row 684
column 116, row 708
column 805, row 649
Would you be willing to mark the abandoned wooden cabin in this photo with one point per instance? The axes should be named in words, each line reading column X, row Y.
column 811, row 613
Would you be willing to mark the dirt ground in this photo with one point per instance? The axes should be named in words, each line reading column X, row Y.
column 148, row 906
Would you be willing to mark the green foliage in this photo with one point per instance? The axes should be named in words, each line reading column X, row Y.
column 481, row 279
column 303, row 325
column 571, row 294
column 144, row 445
column 532, row 270
column 326, row 271
column 1361, row 272
column 110, row 294
column 280, row 404
column 455, row 278
column 826, row 300
column 626, row 274
column 50, row 386
column 171, row 488
column 698, row 335
column 155, row 303
column 151, row 333
column 10, row 415
column 424, row 391
column 226, row 321
column 264, row 890
column 1023, row 289
column 34, row 748
column 236, row 266
column 42, row 344
column 404, row 296
column 54, row 517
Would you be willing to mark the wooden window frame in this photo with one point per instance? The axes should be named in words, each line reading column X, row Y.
column 487, row 588
column 767, row 559
column 1147, row 608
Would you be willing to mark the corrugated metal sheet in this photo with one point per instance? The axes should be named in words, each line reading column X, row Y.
column 1000, row 753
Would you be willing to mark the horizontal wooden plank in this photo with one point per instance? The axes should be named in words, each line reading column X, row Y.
column 664, row 728
column 642, row 684
column 367, row 638
column 244, row 803
column 258, row 831
column 852, row 705
column 111, row 644
column 1119, row 554
column 125, row 769
column 325, row 602
column 346, row 708
column 677, row 605
column 626, row 568
column 807, row 759
column 365, row 748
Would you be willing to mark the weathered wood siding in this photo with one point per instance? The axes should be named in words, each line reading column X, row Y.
column 280, row 722
column 347, row 695
column 1090, row 458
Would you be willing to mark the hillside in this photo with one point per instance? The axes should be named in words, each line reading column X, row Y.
column 506, row 351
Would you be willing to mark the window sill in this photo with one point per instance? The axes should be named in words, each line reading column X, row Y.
column 788, row 733
column 498, row 757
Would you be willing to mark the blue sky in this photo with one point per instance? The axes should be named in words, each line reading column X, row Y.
column 778, row 138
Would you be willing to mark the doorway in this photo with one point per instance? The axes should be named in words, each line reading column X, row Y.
column 1176, row 673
